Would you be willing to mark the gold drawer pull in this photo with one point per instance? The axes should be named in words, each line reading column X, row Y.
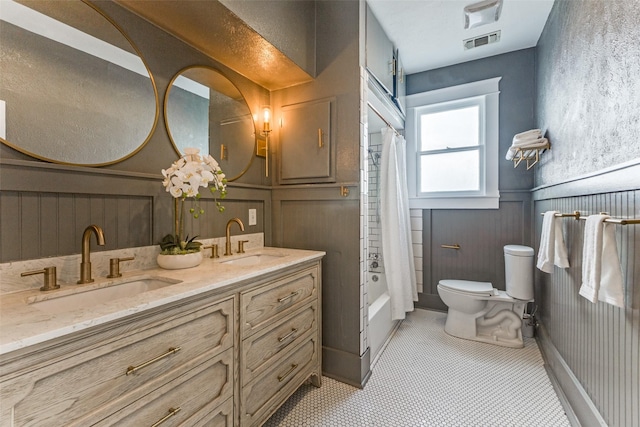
column 454, row 246
column 283, row 299
column 286, row 374
column 293, row 331
column 172, row 412
column 133, row 369
column 320, row 143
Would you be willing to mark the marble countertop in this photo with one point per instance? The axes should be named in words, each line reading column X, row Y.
column 22, row 324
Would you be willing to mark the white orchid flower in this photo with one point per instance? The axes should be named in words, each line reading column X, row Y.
column 175, row 192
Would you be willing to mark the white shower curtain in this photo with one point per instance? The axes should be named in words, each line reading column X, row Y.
column 397, row 251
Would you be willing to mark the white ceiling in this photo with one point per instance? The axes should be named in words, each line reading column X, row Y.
column 429, row 33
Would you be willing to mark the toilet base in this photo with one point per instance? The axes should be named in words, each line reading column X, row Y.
column 499, row 324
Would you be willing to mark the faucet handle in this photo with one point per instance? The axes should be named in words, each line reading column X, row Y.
column 214, row 250
column 241, row 246
column 114, row 266
column 49, row 278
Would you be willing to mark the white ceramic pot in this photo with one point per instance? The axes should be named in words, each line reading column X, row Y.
column 176, row 262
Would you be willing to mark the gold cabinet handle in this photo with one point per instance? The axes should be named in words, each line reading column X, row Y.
column 320, row 143
column 454, row 246
column 172, row 412
column 283, row 299
column 293, row 331
column 133, row 369
column 286, row 374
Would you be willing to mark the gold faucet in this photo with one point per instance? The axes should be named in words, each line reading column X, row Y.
column 85, row 265
column 227, row 251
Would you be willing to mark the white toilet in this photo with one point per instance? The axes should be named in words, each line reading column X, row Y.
column 479, row 312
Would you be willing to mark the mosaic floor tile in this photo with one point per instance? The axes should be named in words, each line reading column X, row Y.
column 428, row 378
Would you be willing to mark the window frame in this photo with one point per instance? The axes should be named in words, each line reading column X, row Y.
column 484, row 93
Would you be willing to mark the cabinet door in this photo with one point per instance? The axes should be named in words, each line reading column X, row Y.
column 400, row 81
column 379, row 52
column 306, row 137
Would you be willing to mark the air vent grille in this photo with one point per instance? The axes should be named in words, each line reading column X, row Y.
column 482, row 40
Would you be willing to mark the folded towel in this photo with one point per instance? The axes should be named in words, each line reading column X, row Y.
column 601, row 271
column 530, row 134
column 529, row 142
column 528, row 145
column 552, row 249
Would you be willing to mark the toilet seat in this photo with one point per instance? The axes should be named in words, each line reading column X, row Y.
column 468, row 287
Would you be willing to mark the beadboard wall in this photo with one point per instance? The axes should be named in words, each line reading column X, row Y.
column 133, row 209
column 599, row 343
column 588, row 98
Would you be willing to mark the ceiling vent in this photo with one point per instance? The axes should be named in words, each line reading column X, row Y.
column 482, row 40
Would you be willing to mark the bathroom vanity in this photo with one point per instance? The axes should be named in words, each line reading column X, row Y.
column 224, row 346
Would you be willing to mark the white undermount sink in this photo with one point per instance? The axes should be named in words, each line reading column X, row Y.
column 252, row 259
column 92, row 294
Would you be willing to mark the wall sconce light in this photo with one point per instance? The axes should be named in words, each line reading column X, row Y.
column 482, row 13
column 262, row 144
column 266, row 119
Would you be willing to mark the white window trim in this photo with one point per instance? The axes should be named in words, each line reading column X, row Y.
column 489, row 89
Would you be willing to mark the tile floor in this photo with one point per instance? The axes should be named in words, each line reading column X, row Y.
column 428, row 378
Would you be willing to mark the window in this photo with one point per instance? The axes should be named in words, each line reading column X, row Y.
column 453, row 147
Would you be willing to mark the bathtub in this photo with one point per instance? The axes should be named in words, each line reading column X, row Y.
column 380, row 324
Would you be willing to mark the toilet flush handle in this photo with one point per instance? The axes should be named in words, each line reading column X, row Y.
column 454, row 246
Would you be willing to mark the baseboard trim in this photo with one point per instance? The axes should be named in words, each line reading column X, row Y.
column 578, row 406
column 430, row 302
column 346, row 367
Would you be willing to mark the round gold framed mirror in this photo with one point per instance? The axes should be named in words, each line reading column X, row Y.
column 75, row 88
column 205, row 110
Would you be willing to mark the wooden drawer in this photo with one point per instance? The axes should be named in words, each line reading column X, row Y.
column 77, row 386
column 222, row 416
column 262, row 349
column 267, row 392
column 263, row 305
column 195, row 398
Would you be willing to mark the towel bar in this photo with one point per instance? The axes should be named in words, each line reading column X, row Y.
column 577, row 215
column 621, row 221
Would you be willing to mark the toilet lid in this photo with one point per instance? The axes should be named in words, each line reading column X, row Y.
column 482, row 288
column 518, row 250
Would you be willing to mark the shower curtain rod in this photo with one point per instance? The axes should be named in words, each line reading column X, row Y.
column 383, row 118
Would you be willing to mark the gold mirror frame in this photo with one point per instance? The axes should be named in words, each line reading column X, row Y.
column 76, row 128
column 223, row 87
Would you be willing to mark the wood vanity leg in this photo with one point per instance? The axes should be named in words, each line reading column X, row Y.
column 316, row 380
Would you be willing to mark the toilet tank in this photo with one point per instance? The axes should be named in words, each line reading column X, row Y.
column 518, row 268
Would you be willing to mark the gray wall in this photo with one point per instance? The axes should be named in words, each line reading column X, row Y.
column 317, row 216
column 45, row 207
column 587, row 73
column 482, row 234
column 588, row 85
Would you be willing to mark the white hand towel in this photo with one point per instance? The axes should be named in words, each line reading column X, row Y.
column 611, row 283
column 601, row 271
column 560, row 256
column 552, row 249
